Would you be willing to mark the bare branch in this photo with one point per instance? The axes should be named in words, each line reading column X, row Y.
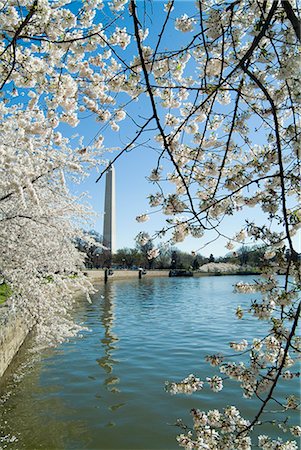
column 292, row 18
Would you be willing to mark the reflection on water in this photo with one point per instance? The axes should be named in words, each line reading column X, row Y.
column 105, row 391
column 107, row 362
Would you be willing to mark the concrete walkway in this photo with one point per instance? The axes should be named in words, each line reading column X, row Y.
column 96, row 275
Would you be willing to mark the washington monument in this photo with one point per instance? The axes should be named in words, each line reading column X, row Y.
column 109, row 223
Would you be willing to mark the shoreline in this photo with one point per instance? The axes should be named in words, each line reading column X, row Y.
column 13, row 333
column 97, row 275
column 14, row 330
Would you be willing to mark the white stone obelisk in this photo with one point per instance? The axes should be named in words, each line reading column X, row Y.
column 109, row 223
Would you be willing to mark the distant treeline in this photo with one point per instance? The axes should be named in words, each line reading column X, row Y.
column 169, row 258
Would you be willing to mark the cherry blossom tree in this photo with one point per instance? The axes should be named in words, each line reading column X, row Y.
column 238, row 69
column 217, row 86
column 40, row 219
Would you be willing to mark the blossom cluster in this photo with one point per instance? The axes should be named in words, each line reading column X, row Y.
column 188, row 385
column 215, row 430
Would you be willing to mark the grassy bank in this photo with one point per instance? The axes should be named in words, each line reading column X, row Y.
column 5, row 292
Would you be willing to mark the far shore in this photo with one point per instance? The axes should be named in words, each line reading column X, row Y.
column 121, row 274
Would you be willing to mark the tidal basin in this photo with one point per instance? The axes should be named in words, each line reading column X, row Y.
column 105, row 390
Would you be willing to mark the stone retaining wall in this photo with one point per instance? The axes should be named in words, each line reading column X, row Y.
column 13, row 331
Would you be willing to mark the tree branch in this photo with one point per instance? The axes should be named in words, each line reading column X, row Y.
column 152, row 100
column 279, row 153
column 292, row 18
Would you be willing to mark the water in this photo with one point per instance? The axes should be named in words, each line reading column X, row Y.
column 106, row 390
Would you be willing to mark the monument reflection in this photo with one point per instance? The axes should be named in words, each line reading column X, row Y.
column 107, row 362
